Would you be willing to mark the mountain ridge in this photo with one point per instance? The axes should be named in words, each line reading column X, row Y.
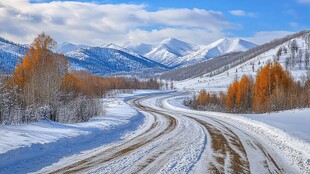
column 165, row 55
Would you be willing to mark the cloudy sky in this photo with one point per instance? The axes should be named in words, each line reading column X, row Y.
column 97, row 22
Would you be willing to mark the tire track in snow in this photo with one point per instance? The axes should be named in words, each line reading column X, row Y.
column 223, row 152
column 182, row 142
column 156, row 157
column 261, row 157
column 152, row 134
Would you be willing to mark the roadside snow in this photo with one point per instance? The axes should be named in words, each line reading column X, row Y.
column 294, row 122
column 30, row 147
column 286, row 143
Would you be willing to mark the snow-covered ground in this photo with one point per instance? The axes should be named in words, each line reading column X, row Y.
column 285, row 134
column 29, row 147
column 294, row 122
column 153, row 132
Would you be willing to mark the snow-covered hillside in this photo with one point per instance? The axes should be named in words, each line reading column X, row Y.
column 9, row 53
column 219, row 82
column 107, row 61
column 140, row 48
column 123, row 49
column 67, row 47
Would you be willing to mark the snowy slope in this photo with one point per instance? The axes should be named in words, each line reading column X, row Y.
column 9, row 53
column 67, row 47
column 291, row 121
column 169, row 51
column 123, row 49
column 140, row 48
column 107, row 61
column 217, row 48
column 221, row 81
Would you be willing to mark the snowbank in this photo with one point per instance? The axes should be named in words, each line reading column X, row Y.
column 294, row 122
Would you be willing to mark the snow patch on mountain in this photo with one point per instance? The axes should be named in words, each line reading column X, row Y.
column 140, row 48
column 67, row 47
column 117, row 47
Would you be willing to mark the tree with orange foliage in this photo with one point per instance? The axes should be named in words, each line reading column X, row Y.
column 40, row 73
column 271, row 86
column 202, row 98
column 231, row 99
column 262, row 88
column 70, row 84
column 245, row 94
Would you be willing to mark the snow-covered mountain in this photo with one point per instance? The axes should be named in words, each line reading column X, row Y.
column 169, row 51
column 224, row 70
column 67, row 47
column 223, row 46
column 140, row 48
column 175, row 53
column 108, row 61
column 217, row 48
column 9, row 53
column 123, row 49
column 105, row 60
column 167, row 54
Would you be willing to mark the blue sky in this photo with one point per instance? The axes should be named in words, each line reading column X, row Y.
column 121, row 22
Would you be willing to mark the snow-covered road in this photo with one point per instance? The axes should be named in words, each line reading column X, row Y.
column 174, row 139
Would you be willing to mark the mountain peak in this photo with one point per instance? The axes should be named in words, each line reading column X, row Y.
column 66, row 47
column 226, row 45
column 172, row 41
column 140, row 48
column 113, row 46
column 219, row 47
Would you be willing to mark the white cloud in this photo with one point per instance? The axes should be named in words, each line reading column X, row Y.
column 242, row 13
column 266, row 36
column 95, row 24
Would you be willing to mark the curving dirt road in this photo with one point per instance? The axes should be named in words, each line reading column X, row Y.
column 175, row 140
